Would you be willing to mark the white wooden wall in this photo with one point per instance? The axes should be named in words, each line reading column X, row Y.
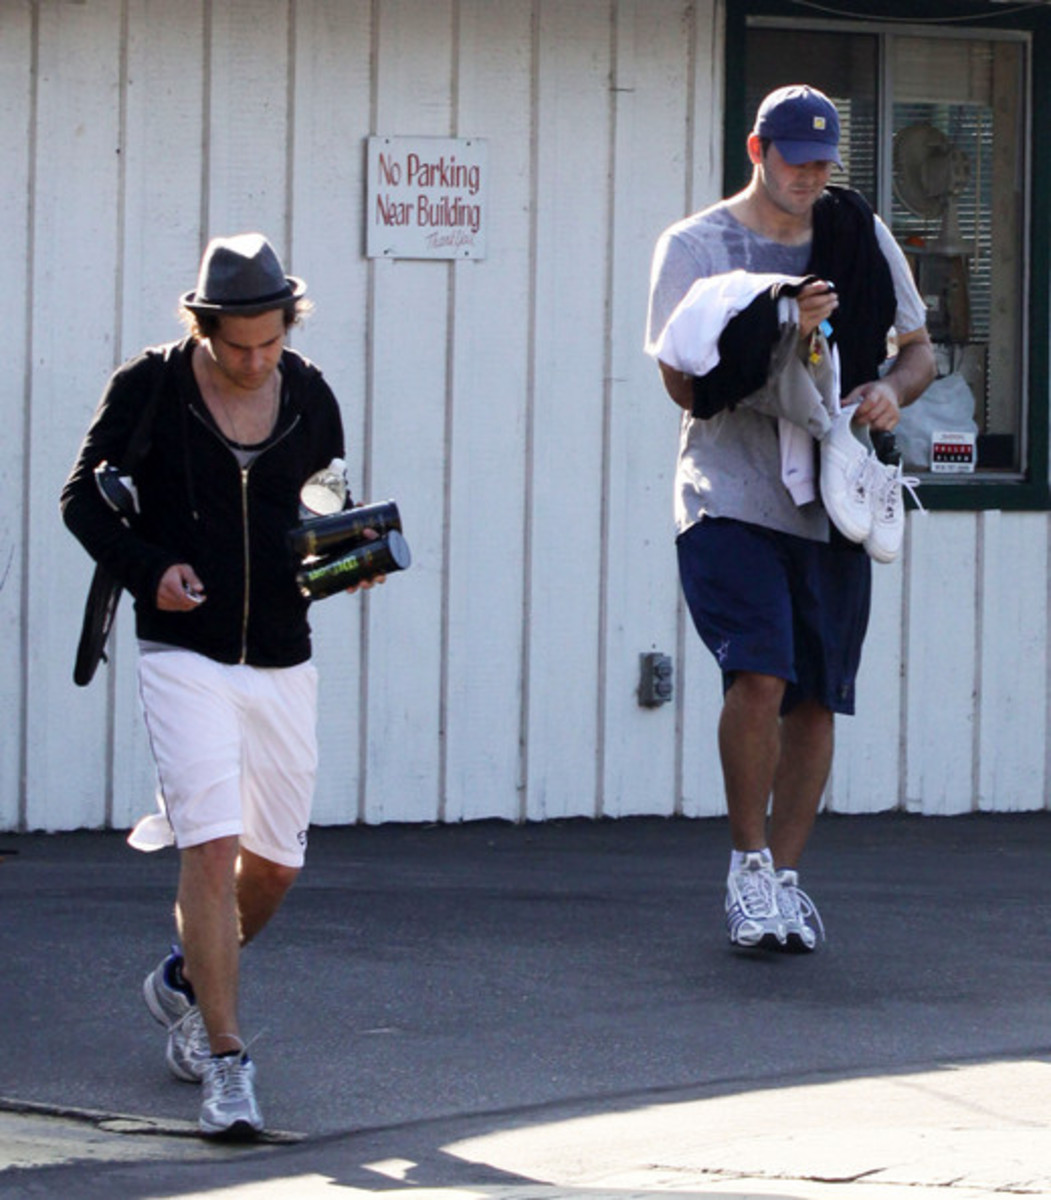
column 505, row 403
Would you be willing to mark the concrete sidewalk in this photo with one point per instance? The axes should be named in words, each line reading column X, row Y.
column 550, row 1011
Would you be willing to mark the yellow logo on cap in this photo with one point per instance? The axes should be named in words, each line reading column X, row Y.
column 819, row 122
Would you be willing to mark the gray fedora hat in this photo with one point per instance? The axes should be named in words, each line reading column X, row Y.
column 241, row 276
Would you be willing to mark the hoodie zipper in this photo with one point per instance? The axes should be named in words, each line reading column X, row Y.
column 247, row 563
column 247, row 557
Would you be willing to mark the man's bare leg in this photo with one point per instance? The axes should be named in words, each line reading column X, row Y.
column 807, row 739
column 226, row 896
column 749, row 748
column 261, row 887
column 206, row 917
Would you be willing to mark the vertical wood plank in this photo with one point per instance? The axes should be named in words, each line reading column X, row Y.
column 701, row 773
column 247, row 124
column 700, row 770
column 407, row 453
column 866, row 768
column 940, row 663
column 706, row 89
column 487, row 450
column 572, row 122
column 162, row 168
column 1012, row 697
column 330, row 121
column 73, row 313
column 640, row 583
column 161, row 234
column 17, row 145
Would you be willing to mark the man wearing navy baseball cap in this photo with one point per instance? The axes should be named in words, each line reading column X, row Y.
column 802, row 123
column 778, row 594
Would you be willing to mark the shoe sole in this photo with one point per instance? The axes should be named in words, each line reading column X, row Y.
column 796, row 945
column 239, row 1131
column 769, row 941
column 881, row 554
column 844, row 522
column 855, row 526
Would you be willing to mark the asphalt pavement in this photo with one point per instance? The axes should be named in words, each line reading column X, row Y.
column 525, row 1012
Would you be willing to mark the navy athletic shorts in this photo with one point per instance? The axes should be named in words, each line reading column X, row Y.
column 781, row 605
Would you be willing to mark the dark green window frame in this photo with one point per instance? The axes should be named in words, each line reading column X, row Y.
column 1032, row 492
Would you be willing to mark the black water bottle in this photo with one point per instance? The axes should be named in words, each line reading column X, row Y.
column 323, row 577
column 325, row 535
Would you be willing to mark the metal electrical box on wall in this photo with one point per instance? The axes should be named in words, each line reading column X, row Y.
column 655, row 679
column 426, row 197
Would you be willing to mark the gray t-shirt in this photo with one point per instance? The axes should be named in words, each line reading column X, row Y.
column 730, row 464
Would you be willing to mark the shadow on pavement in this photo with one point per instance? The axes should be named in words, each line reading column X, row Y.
column 426, row 987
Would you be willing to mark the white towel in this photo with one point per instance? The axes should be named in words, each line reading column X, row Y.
column 690, row 340
column 802, row 395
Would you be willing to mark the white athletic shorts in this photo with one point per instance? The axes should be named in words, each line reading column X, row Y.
column 235, row 748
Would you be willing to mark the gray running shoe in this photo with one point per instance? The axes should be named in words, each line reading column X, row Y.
column 175, row 1009
column 229, row 1111
column 753, row 918
column 798, row 911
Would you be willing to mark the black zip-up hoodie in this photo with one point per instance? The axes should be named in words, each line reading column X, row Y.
column 198, row 506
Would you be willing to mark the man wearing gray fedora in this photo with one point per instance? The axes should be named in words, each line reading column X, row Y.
column 236, row 423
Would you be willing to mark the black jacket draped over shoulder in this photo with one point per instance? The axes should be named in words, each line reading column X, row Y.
column 845, row 251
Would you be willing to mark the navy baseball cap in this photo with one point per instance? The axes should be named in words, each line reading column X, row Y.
column 802, row 123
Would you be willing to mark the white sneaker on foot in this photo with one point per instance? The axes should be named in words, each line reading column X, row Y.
column 797, row 911
column 753, row 919
column 229, row 1110
column 176, row 1010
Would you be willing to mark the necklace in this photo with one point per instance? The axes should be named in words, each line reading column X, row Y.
column 259, row 419
column 257, row 414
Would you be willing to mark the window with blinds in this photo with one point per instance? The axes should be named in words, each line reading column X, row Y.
column 933, row 135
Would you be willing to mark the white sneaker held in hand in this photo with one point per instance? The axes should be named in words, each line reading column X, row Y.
column 888, row 511
column 846, row 476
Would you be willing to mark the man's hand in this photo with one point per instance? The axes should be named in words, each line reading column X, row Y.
column 817, row 302
column 366, row 584
column 179, row 589
column 370, row 535
column 880, row 402
column 877, row 405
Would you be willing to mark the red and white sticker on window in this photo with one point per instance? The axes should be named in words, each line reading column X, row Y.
column 953, row 453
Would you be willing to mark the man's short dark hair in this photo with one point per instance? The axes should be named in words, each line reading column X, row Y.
column 206, row 325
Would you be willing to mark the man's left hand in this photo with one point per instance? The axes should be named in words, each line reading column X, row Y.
column 877, row 405
column 370, row 536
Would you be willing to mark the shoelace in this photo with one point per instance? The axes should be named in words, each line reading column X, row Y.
column 234, row 1080
column 801, row 907
column 191, row 1028
column 885, row 482
column 757, row 894
column 875, row 482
